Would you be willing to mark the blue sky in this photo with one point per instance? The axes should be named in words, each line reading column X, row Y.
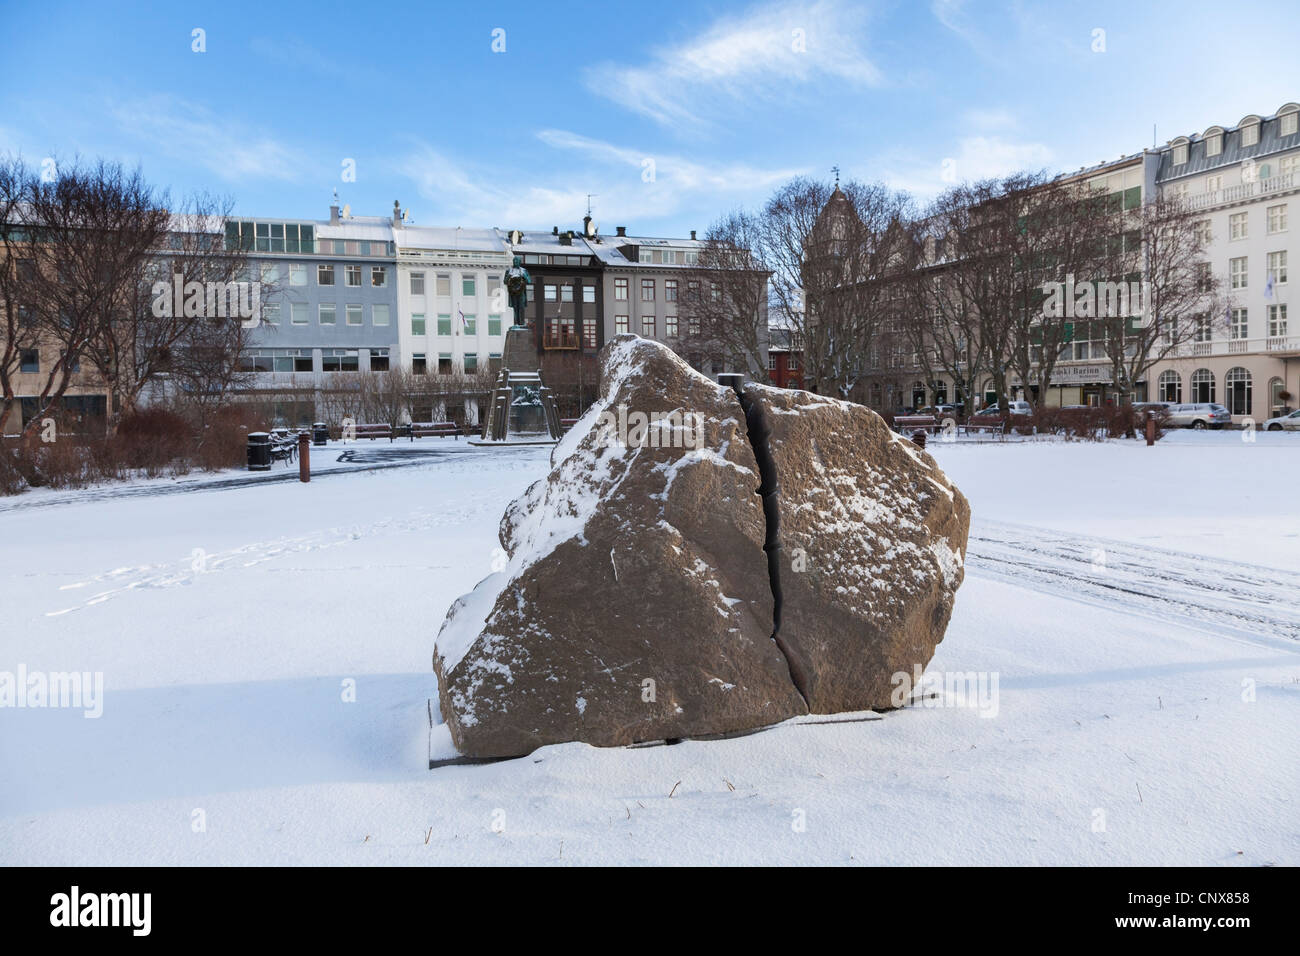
column 720, row 101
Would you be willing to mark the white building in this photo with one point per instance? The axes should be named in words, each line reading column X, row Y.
column 451, row 300
column 1244, row 179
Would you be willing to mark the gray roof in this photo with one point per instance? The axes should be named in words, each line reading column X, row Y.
column 1270, row 142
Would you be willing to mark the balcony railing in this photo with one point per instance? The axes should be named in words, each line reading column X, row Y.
column 1260, row 345
column 1241, row 193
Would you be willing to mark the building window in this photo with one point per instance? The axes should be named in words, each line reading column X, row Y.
column 771, row 361
column 470, row 323
column 471, row 361
column 379, row 314
column 352, row 276
column 353, row 314
column 1237, row 389
column 298, row 313
column 1214, row 145
column 379, row 360
column 1277, row 218
column 589, row 294
column 670, row 326
column 496, row 297
column 339, row 360
column 419, row 364
column 589, row 331
column 329, row 313
column 693, row 325
column 670, row 290
column 1202, row 386
column 271, row 313
column 378, row 277
column 444, row 363
column 620, row 290
column 647, row 290
column 1180, row 154
column 1287, row 165
column 1238, row 324
column 297, row 274
column 645, row 255
column 1288, row 123
column 1250, row 134
column 30, row 360
column 417, row 323
column 443, row 284
column 324, row 275
column 620, row 324
column 1203, row 232
column 1277, row 267
column 444, row 325
column 417, row 283
column 467, row 287
column 1170, row 386
column 1237, row 226
column 1277, row 320
column 494, row 325
column 1237, row 273
column 1275, row 390
column 1200, row 332
column 566, row 293
column 648, row 326
column 550, row 293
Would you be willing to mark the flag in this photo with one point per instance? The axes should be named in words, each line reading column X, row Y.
column 463, row 324
column 1268, row 287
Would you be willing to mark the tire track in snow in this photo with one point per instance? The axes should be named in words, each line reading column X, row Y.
column 1208, row 593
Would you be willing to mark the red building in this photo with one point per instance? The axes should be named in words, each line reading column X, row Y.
column 784, row 359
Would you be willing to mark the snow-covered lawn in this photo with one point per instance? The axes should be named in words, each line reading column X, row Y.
column 1137, row 606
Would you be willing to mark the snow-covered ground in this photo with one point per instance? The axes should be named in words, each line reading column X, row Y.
column 1137, row 606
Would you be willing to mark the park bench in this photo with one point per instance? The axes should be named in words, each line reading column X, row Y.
column 906, row 424
column 383, row 430
column 434, row 430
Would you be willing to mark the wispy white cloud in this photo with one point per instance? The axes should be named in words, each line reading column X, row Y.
column 765, row 52
column 973, row 158
column 630, row 184
column 228, row 147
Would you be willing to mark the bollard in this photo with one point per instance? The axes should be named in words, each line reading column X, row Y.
column 1151, row 428
column 304, row 457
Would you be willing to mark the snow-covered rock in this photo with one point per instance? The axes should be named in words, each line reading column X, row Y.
column 872, row 542
column 648, row 595
column 635, row 604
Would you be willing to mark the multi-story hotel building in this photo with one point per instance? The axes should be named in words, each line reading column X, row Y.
column 1244, row 180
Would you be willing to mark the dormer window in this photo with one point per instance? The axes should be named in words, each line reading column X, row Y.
column 1180, row 153
column 1288, row 120
column 1249, row 128
column 1213, row 142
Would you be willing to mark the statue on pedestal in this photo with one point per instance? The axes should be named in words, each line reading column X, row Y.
column 517, row 282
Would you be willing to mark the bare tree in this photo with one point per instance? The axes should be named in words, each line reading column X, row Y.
column 1182, row 300
column 724, row 305
column 833, row 254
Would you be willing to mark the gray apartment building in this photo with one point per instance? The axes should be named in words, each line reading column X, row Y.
column 331, row 302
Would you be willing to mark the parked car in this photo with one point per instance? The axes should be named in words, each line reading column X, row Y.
column 1017, row 410
column 1289, row 422
column 1198, row 415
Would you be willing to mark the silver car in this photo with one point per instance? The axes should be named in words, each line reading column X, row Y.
column 1289, row 422
column 1198, row 415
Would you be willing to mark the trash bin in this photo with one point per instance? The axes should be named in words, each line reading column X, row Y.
column 320, row 434
column 259, row 451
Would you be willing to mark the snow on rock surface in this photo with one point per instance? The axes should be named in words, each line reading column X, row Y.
column 872, row 537
column 638, row 583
